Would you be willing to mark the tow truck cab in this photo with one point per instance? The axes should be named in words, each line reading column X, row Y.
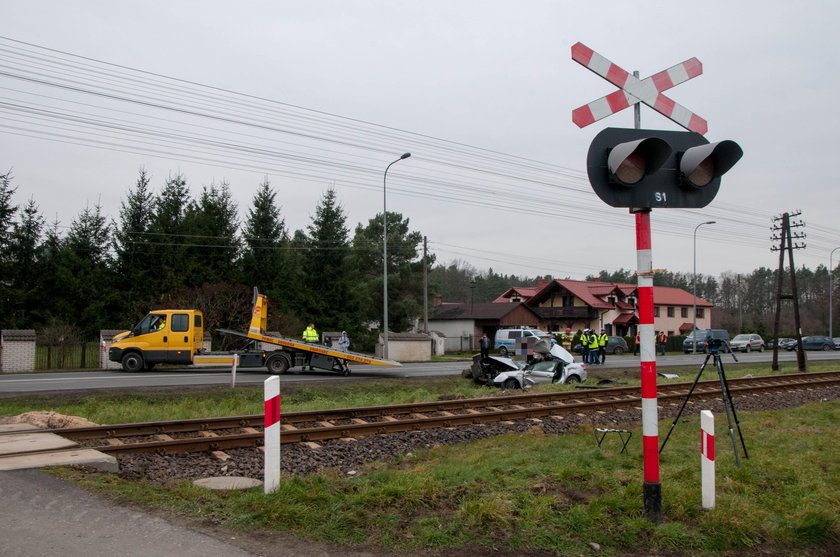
column 171, row 336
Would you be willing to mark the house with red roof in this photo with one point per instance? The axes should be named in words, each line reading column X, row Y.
column 576, row 304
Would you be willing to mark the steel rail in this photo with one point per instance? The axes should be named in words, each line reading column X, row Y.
column 496, row 409
column 314, row 426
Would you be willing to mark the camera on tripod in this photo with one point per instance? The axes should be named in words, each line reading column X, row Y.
column 715, row 343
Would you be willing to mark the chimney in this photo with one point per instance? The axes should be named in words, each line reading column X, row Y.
column 596, row 279
column 541, row 283
column 438, row 300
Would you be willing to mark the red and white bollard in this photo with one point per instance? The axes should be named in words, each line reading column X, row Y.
column 652, row 488
column 707, row 458
column 271, row 432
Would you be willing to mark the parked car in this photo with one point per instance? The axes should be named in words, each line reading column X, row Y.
column 787, row 343
column 508, row 340
column 814, row 343
column 836, row 341
column 747, row 343
column 702, row 336
column 615, row 345
column 782, row 341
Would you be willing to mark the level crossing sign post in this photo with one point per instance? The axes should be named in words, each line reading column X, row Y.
column 642, row 169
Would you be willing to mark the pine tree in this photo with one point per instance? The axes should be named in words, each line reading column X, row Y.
column 25, row 256
column 167, row 236
column 210, row 232
column 88, row 260
column 7, row 212
column 133, row 243
column 265, row 240
column 405, row 271
column 327, row 286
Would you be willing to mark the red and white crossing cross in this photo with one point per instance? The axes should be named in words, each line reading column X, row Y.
column 633, row 90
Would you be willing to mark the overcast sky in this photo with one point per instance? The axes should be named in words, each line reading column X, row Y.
column 319, row 94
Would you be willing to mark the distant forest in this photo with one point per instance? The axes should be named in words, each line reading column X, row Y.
column 171, row 249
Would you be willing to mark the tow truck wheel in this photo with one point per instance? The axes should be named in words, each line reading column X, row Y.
column 132, row 362
column 277, row 364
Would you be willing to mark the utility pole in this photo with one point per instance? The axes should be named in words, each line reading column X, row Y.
column 786, row 242
column 425, row 286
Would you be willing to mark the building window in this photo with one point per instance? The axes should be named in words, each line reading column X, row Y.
column 699, row 313
column 611, row 300
column 670, row 311
column 568, row 301
column 656, row 311
column 684, row 312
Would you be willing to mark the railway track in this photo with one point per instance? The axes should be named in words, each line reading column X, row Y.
column 215, row 434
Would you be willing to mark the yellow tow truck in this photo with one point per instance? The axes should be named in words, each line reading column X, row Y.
column 176, row 336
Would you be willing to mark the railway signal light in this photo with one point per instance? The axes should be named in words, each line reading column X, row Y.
column 655, row 168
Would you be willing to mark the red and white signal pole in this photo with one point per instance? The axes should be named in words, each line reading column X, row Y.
column 641, row 169
column 647, row 346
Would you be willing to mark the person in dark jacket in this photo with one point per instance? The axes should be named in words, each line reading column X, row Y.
column 484, row 345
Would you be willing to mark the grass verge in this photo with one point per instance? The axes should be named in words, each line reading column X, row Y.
column 556, row 494
column 521, row 493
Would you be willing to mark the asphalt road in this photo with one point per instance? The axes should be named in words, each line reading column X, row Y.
column 18, row 383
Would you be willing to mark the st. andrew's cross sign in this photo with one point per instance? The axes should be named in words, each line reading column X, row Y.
column 633, row 90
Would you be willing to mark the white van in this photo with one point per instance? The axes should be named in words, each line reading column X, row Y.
column 508, row 340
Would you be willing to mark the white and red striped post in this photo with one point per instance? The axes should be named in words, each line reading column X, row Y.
column 650, row 414
column 707, row 458
column 271, row 446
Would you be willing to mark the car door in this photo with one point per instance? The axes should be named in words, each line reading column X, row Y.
column 178, row 339
column 542, row 372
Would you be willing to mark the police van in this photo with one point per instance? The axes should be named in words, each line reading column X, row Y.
column 508, row 340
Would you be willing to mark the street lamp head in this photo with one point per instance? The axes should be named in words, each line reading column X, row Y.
column 710, row 222
column 405, row 156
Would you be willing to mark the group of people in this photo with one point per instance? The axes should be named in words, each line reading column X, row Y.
column 311, row 335
column 660, row 340
column 594, row 346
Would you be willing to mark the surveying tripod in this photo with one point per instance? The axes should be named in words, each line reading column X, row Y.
column 728, row 405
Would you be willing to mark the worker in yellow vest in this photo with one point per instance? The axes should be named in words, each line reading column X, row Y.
column 593, row 347
column 584, row 345
column 310, row 334
column 602, row 346
column 566, row 339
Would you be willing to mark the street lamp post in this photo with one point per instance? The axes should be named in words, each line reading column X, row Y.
column 694, row 289
column 385, row 258
column 831, row 292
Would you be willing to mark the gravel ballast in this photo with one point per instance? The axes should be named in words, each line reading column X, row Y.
column 351, row 456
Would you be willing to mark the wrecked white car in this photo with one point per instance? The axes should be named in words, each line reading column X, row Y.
column 553, row 364
column 558, row 366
